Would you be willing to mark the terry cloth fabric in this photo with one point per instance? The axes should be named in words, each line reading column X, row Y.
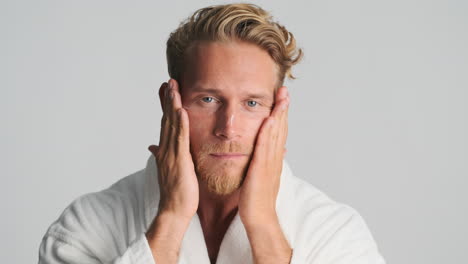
column 109, row 227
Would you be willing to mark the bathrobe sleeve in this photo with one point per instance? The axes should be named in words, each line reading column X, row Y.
column 97, row 228
column 55, row 250
column 345, row 239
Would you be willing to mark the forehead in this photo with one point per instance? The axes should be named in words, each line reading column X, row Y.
column 231, row 67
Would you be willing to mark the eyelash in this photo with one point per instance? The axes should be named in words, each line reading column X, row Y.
column 209, row 97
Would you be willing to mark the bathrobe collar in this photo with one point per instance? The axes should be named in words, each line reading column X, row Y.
column 235, row 246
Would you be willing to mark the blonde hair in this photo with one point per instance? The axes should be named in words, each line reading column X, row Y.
column 244, row 22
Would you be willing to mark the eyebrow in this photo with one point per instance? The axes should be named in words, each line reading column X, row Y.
column 199, row 89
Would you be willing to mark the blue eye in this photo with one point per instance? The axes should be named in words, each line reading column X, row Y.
column 207, row 99
column 252, row 103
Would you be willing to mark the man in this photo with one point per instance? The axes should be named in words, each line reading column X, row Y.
column 215, row 189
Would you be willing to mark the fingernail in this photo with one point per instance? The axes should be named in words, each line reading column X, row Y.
column 166, row 90
column 170, row 84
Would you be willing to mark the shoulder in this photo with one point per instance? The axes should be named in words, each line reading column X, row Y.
column 325, row 228
column 313, row 207
column 99, row 222
column 302, row 199
column 311, row 200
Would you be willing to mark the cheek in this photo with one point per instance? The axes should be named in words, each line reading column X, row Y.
column 200, row 125
column 252, row 127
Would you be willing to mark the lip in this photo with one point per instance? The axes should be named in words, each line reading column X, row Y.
column 228, row 155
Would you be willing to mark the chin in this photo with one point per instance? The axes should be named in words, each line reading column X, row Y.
column 222, row 179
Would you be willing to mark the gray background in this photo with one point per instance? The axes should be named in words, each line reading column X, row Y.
column 378, row 117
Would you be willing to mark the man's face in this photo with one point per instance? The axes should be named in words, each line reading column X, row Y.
column 227, row 90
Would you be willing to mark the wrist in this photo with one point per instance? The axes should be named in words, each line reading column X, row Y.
column 167, row 224
column 165, row 235
column 174, row 211
column 264, row 221
column 268, row 242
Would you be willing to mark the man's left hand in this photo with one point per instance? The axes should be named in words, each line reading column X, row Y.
column 257, row 201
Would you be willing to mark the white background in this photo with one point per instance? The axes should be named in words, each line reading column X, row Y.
column 378, row 118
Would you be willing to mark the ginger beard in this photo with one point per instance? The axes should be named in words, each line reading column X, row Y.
column 221, row 177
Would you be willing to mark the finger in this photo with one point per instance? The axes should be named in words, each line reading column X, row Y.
column 282, row 93
column 284, row 123
column 170, row 119
column 176, row 101
column 279, row 114
column 175, row 116
column 162, row 92
column 165, row 121
column 154, row 149
column 168, row 100
column 279, row 107
column 281, row 102
column 263, row 139
column 164, row 135
column 183, row 137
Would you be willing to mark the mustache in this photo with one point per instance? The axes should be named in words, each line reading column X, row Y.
column 231, row 147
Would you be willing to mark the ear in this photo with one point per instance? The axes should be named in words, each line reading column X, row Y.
column 162, row 89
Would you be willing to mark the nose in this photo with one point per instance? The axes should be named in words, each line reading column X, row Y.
column 227, row 123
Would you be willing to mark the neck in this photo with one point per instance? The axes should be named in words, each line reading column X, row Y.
column 215, row 210
column 216, row 213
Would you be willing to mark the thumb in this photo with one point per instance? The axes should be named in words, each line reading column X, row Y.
column 154, row 149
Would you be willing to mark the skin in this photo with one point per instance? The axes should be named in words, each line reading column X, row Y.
column 226, row 99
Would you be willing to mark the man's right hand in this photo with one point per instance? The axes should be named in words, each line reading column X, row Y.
column 178, row 184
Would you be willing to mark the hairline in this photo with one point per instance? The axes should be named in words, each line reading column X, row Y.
column 278, row 83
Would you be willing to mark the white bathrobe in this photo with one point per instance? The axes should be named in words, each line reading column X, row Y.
column 109, row 227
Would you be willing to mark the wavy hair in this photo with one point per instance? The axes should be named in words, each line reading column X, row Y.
column 244, row 22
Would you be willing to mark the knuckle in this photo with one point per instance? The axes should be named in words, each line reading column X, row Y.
column 159, row 156
column 159, row 160
column 164, row 120
column 180, row 138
